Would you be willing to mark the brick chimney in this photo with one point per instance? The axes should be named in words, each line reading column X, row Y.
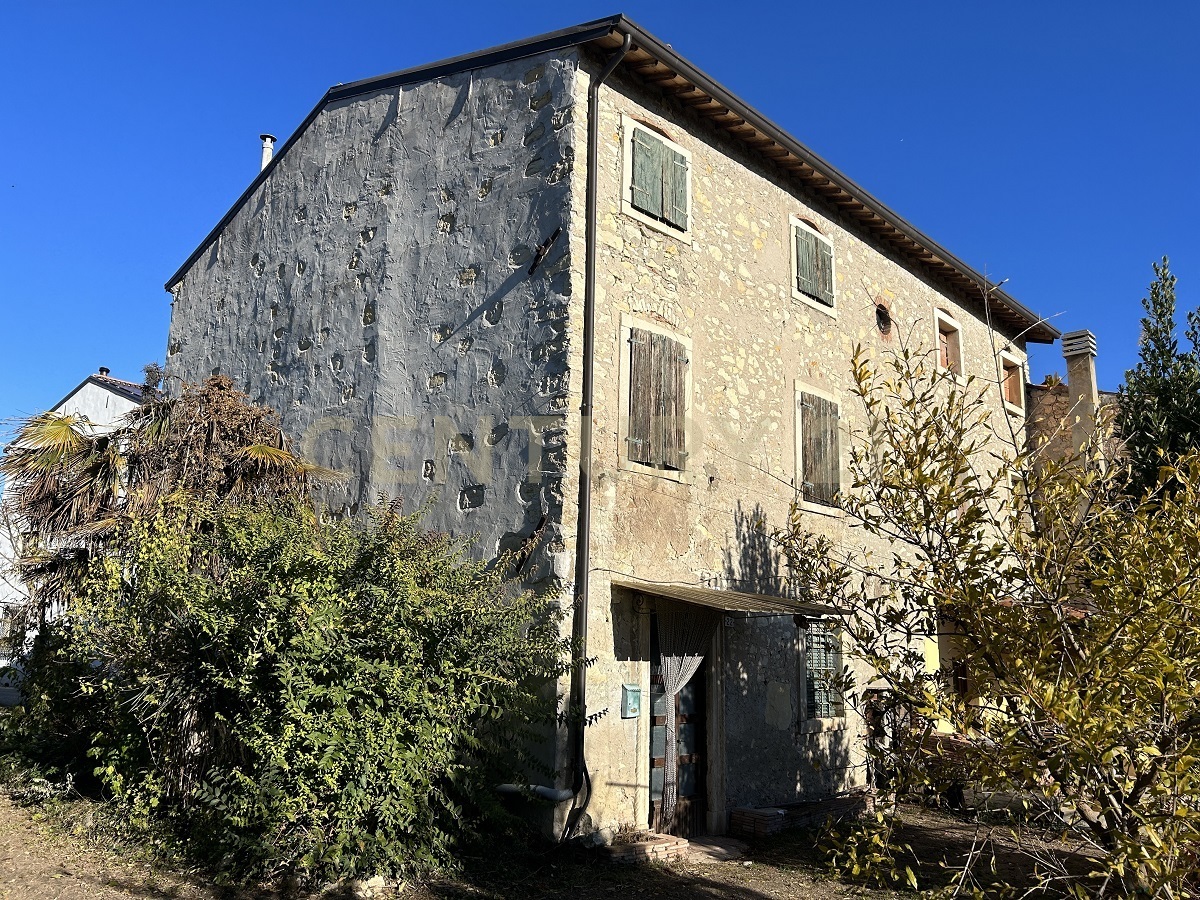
column 1079, row 350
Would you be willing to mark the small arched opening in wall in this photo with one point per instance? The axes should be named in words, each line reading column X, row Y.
column 884, row 323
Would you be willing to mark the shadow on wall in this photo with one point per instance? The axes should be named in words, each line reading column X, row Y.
column 773, row 755
column 752, row 561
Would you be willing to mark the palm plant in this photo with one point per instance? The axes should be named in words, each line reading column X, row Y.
column 71, row 489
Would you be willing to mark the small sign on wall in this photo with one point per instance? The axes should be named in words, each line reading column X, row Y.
column 631, row 701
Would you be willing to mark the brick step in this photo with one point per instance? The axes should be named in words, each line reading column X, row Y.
column 657, row 848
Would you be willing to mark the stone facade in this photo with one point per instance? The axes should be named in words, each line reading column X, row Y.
column 376, row 288
column 727, row 290
column 1051, row 417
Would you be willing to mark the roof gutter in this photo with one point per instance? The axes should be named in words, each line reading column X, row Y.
column 583, row 534
column 1046, row 333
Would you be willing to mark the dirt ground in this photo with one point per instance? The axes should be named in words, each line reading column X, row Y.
column 38, row 862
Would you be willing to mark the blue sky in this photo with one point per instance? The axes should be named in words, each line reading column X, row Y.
column 1053, row 144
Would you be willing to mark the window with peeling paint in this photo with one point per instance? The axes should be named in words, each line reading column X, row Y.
column 813, row 263
column 949, row 343
column 1012, row 383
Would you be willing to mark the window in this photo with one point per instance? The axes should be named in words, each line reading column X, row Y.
column 1012, row 383
column 657, row 179
column 883, row 319
column 821, row 672
column 818, row 450
column 812, row 264
column 949, row 343
column 658, row 389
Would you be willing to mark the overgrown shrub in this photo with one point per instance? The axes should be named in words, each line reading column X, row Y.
column 307, row 697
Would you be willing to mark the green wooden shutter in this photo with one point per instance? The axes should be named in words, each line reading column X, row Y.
column 824, row 273
column 640, row 393
column 675, row 189
column 660, row 350
column 646, row 184
column 806, row 261
column 814, row 266
column 820, row 450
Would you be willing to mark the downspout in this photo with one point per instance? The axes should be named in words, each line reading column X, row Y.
column 583, row 539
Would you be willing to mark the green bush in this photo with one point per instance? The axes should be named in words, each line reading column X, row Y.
column 303, row 697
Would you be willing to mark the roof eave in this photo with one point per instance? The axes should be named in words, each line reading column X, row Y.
column 776, row 145
column 769, row 140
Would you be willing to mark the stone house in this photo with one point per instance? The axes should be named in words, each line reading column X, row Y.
column 442, row 265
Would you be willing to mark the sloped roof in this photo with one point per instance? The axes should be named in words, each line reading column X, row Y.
column 657, row 67
column 127, row 389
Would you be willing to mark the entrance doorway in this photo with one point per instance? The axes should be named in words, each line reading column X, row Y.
column 691, row 809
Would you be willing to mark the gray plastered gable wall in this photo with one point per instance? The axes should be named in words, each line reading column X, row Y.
column 376, row 291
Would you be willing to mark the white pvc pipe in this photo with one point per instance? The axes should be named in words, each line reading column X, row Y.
column 268, row 149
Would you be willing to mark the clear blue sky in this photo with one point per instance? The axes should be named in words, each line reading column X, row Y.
column 1053, row 144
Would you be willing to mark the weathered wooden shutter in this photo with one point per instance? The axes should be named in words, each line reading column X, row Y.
column 658, row 366
column 820, row 450
column 951, row 349
column 825, row 272
column 675, row 193
column 646, row 183
column 674, row 406
column 806, row 261
column 814, row 266
column 657, row 401
column 640, row 394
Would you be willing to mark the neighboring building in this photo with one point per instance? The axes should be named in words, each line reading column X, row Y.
column 1063, row 415
column 410, row 283
column 101, row 400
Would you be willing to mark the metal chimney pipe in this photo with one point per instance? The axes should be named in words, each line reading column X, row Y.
column 268, row 149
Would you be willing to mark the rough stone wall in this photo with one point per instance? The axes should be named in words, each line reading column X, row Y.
column 1048, row 427
column 766, row 761
column 728, row 290
column 376, row 291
